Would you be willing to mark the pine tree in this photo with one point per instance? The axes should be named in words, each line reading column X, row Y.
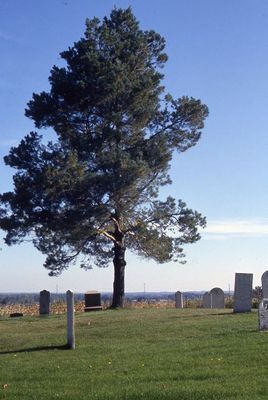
column 93, row 192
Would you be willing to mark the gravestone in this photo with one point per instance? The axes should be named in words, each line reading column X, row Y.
column 16, row 315
column 44, row 302
column 264, row 284
column 243, row 292
column 178, row 299
column 263, row 315
column 206, row 303
column 92, row 301
column 70, row 320
column 217, row 298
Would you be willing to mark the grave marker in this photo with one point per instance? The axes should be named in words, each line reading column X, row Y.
column 206, row 300
column 92, row 301
column 178, row 299
column 217, row 298
column 263, row 315
column 16, row 315
column 44, row 302
column 243, row 292
column 264, row 283
column 70, row 319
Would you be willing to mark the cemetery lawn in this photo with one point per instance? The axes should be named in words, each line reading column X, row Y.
column 190, row 354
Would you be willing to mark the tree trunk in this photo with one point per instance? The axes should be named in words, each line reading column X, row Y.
column 119, row 274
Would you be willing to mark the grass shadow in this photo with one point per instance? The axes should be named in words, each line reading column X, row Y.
column 202, row 315
column 235, row 314
column 231, row 313
column 39, row 348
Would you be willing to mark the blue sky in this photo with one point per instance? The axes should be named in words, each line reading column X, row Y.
column 218, row 52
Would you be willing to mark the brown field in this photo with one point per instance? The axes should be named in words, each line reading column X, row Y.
column 60, row 307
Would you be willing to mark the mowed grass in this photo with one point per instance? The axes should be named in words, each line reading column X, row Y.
column 191, row 354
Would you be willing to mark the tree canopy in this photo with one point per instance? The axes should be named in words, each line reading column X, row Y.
column 94, row 191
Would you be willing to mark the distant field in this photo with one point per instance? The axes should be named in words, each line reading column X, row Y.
column 60, row 307
column 142, row 353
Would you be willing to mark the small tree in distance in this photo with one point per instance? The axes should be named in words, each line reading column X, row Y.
column 94, row 191
column 257, row 292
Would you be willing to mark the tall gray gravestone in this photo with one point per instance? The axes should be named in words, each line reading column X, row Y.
column 263, row 315
column 217, row 298
column 44, row 302
column 179, row 299
column 70, row 319
column 206, row 303
column 243, row 292
column 264, row 284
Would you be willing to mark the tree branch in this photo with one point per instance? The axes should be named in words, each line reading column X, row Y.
column 107, row 234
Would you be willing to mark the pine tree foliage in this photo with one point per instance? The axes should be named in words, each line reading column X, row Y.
column 94, row 191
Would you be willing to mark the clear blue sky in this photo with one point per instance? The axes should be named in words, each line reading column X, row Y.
column 218, row 52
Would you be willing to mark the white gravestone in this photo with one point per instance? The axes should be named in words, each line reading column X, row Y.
column 44, row 302
column 206, row 300
column 217, row 298
column 70, row 319
column 263, row 315
column 264, row 284
column 178, row 299
column 243, row 292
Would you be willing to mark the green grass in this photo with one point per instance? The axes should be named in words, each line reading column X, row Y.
column 191, row 354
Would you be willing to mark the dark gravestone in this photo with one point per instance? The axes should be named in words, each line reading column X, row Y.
column 93, row 301
column 44, row 302
column 16, row 314
column 70, row 319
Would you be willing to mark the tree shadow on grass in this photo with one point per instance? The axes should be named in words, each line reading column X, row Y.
column 38, row 348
